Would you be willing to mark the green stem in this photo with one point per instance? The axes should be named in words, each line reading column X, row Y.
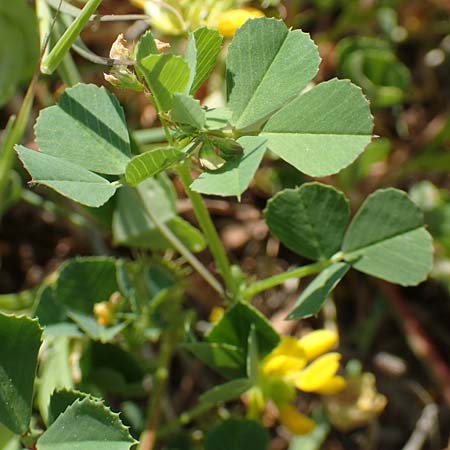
column 276, row 280
column 208, row 228
column 184, row 419
column 160, row 378
column 202, row 216
column 45, row 22
column 54, row 58
column 36, row 200
column 183, row 250
column 67, row 70
column 15, row 131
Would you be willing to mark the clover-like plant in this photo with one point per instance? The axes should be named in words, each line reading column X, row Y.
column 86, row 154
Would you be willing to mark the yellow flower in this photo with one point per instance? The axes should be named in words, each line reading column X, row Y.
column 303, row 364
column 103, row 313
column 229, row 21
column 216, row 314
column 175, row 17
column 294, row 421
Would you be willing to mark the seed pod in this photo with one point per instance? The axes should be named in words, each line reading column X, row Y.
column 227, row 148
column 208, row 157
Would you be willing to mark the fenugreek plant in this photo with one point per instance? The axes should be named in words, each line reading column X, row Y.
column 101, row 312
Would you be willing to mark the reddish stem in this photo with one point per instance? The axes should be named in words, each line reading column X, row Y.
column 418, row 339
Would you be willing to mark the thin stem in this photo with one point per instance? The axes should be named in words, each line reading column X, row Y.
column 97, row 59
column 165, row 127
column 119, row 17
column 184, row 419
column 54, row 58
column 73, row 11
column 276, row 280
column 64, row 7
column 183, row 250
column 174, row 11
column 6, row 158
column 208, row 228
column 159, row 387
column 14, row 134
column 67, row 70
column 45, row 22
column 36, row 200
column 203, row 217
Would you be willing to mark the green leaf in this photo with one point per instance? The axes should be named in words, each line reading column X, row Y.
column 86, row 425
column 133, row 227
column 387, row 239
column 19, row 46
column 187, row 111
column 91, row 327
column 52, row 315
column 323, row 130
column 87, row 127
column 202, row 51
column 234, row 327
column 188, row 234
column 150, row 163
column 237, row 435
column 267, row 65
column 234, row 177
column 68, row 179
column 217, row 118
column 8, row 440
column 61, row 400
column 165, row 75
column 20, row 338
column 310, row 220
column 226, row 359
column 314, row 296
column 146, row 46
column 226, row 392
column 54, row 373
column 82, row 282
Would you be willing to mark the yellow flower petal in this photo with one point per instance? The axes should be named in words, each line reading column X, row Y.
column 229, row 21
column 294, row 421
column 283, row 366
column 332, row 386
column 285, row 359
column 318, row 373
column 103, row 313
column 216, row 314
column 289, row 346
column 318, row 342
